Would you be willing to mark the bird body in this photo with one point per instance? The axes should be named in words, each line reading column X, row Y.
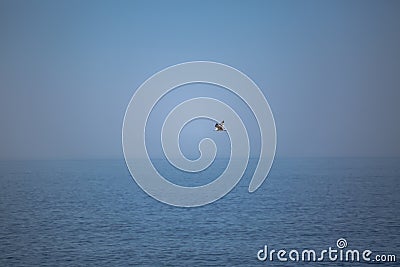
column 220, row 126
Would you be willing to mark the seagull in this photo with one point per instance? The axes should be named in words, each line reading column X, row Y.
column 219, row 126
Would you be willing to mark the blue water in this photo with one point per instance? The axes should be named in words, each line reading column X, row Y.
column 91, row 213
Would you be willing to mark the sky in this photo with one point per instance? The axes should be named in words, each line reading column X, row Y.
column 330, row 71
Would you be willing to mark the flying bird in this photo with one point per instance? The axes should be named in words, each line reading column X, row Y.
column 219, row 126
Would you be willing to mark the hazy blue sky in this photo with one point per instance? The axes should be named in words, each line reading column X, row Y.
column 329, row 69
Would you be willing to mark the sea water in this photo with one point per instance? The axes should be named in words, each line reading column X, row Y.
column 92, row 213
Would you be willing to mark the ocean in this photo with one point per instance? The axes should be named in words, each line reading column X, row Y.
column 92, row 213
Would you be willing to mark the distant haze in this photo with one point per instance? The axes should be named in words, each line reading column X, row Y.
column 330, row 71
